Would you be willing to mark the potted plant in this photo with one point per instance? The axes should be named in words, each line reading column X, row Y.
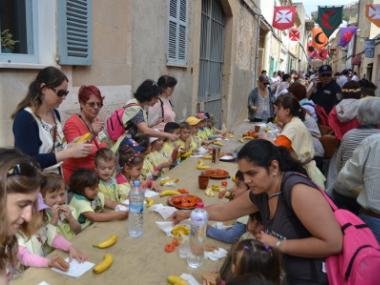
column 7, row 41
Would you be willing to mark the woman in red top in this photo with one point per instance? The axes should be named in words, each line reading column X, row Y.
column 87, row 121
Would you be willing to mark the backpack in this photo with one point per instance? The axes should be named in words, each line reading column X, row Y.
column 114, row 124
column 359, row 261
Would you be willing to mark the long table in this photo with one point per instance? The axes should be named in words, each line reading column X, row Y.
column 136, row 261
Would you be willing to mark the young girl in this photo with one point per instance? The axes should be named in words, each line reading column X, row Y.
column 131, row 165
column 59, row 213
column 232, row 234
column 37, row 238
column 89, row 202
column 105, row 165
column 252, row 257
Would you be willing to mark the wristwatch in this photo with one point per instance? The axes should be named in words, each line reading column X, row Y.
column 278, row 243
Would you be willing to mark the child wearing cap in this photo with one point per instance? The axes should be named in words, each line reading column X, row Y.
column 194, row 123
column 37, row 238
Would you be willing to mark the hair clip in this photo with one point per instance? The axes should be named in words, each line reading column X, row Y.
column 246, row 248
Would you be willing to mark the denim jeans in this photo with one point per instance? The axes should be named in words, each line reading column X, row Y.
column 230, row 235
column 373, row 223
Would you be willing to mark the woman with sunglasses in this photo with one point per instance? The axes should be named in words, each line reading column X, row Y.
column 86, row 121
column 20, row 181
column 37, row 125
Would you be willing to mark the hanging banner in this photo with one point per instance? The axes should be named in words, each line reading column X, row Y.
column 345, row 35
column 319, row 39
column 372, row 11
column 294, row 35
column 329, row 18
column 369, row 48
column 284, row 17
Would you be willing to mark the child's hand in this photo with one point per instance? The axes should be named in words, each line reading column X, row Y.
column 123, row 215
column 66, row 211
column 156, row 187
column 59, row 263
column 77, row 254
column 210, row 278
column 54, row 215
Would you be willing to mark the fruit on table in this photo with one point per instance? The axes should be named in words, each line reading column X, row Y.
column 207, row 157
column 168, row 180
column 183, row 191
column 186, row 154
column 209, row 192
column 219, row 143
column 176, row 280
column 107, row 243
column 180, row 230
column 169, row 193
column 104, row 264
column 251, row 134
column 201, row 165
column 149, row 202
column 170, row 247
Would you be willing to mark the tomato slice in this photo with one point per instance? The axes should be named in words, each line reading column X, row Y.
column 170, row 247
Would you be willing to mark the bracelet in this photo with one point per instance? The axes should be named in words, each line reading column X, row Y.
column 278, row 243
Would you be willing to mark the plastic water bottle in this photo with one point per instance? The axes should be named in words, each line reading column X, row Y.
column 136, row 210
column 199, row 219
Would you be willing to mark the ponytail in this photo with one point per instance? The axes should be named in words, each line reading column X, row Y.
column 288, row 101
column 262, row 153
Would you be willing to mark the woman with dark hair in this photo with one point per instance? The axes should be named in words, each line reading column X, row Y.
column 86, row 121
column 20, row 182
column 298, row 221
column 162, row 112
column 37, row 125
column 135, row 116
column 290, row 114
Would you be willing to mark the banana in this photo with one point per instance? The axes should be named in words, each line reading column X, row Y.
column 186, row 154
column 149, row 202
column 107, row 243
column 168, row 180
column 207, row 156
column 176, row 280
column 169, row 193
column 83, row 138
column 209, row 192
column 215, row 188
column 201, row 165
column 104, row 264
column 217, row 143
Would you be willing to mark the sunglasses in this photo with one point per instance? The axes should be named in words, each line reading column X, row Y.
column 23, row 169
column 95, row 104
column 60, row 93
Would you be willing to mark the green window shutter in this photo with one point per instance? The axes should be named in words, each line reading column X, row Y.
column 75, row 32
column 177, row 32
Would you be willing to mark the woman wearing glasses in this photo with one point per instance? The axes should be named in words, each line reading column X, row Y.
column 86, row 121
column 37, row 125
column 19, row 184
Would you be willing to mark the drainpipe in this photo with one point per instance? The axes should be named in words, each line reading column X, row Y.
column 257, row 44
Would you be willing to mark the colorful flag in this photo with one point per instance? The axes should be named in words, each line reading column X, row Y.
column 319, row 39
column 294, row 34
column 284, row 17
column 345, row 35
column 372, row 11
column 329, row 18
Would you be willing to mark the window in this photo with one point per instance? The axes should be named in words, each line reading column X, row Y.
column 17, row 23
column 177, row 32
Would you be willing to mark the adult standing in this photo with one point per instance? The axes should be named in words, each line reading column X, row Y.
column 260, row 101
column 86, row 121
column 298, row 221
column 162, row 112
column 19, row 184
column 135, row 116
column 37, row 124
column 282, row 87
column 325, row 92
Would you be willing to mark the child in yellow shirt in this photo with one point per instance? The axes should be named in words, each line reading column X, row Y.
column 195, row 141
column 59, row 213
column 156, row 158
column 105, row 165
column 170, row 148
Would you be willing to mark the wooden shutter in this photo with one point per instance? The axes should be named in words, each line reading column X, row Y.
column 75, row 32
column 177, row 32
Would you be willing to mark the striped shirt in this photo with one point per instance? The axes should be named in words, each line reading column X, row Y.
column 350, row 141
column 360, row 176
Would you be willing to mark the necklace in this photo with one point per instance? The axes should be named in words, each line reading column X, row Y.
column 274, row 195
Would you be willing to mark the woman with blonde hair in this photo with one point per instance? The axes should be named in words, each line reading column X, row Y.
column 20, row 182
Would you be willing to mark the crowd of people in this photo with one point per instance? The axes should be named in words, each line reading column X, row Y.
column 62, row 175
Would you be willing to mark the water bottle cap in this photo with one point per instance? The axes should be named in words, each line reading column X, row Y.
column 200, row 205
column 136, row 183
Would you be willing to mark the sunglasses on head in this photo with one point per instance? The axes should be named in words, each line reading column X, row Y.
column 23, row 169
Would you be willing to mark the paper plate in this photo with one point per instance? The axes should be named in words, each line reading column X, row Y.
column 227, row 158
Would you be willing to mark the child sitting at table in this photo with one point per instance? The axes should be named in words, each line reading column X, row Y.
column 170, row 148
column 131, row 164
column 232, row 234
column 184, row 142
column 247, row 258
column 38, row 238
column 59, row 213
column 156, row 158
column 89, row 203
column 203, row 131
column 105, row 165
column 194, row 126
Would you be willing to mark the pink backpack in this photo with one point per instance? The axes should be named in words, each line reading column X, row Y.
column 359, row 261
column 114, row 124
